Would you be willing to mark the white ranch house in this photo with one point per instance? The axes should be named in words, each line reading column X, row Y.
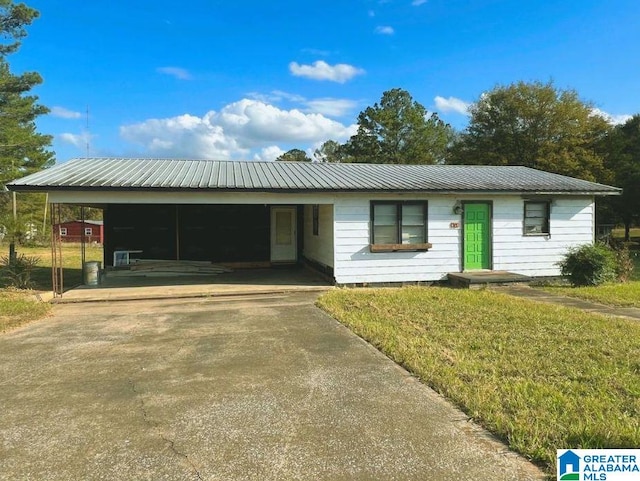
column 361, row 223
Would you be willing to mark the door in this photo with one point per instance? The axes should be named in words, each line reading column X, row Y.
column 284, row 247
column 477, row 236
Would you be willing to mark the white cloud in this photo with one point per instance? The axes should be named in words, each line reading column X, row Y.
column 177, row 72
column 417, row 3
column 63, row 113
column 78, row 140
column 269, row 153
column 321, row 70
column 330, row 106
column 612, row 119
column 182, row 136
column 385, row 30
column 238, row 130
column 452, row 104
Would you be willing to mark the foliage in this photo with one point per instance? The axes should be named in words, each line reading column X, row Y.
column 18, row 271
column 294, row 155
column 22, row 149
column 398, row 130
column 331, row 151
column 589, row 265
column 623, row 159
column 537, row 375
column 536, row 125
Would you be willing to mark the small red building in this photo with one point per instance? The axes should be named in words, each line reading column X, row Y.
column 73, row 231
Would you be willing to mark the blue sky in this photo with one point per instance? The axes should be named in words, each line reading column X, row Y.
column 249, row 79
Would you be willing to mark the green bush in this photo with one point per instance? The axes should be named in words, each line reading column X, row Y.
column 18, row 271
column 589, row 265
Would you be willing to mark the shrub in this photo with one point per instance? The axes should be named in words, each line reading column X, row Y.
column 589, row 265
column 18, row 271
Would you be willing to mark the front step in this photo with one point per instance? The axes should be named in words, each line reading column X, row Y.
column 477, row 279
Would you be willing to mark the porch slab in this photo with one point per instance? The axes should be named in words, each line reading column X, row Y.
column 238, row 283
column 475, row 279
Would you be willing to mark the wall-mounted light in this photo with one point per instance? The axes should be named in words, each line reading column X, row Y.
column 457, row 208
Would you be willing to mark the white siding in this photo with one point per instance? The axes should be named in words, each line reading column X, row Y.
column 355, row 264
column 319, row 248
column 571, row 224
column 572, row 220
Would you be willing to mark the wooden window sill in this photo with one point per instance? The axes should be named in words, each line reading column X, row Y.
column 399, row 247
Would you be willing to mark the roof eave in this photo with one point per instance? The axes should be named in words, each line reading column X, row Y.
column 58, row 188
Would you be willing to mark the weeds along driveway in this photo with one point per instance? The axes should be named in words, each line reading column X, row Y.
column 262, row 388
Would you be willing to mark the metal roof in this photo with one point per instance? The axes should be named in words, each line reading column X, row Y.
column 102, row 174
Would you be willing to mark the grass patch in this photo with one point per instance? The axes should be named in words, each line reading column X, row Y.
column 621, row 295
column 71, row 261
column 542, row 377
column 18, row 308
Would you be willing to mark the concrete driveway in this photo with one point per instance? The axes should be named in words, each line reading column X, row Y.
column 264, row 388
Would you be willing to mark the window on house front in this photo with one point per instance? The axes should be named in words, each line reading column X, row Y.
column 536, row 218
column 88, row 231
column 398, row 226
column 63, row 231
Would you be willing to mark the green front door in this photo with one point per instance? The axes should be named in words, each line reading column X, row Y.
column 477, row 235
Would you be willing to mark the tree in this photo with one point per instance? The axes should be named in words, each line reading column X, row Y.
column 294, row 155
column 535, row 125
column 623, row 159
column 331, row 151
column 22, row 149
column 398, row 130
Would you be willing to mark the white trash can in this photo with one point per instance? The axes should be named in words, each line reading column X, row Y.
column 91, row 273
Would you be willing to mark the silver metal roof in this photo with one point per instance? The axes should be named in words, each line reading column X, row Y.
column 188, row 175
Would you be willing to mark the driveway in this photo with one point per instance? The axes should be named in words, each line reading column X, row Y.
column 264, row 388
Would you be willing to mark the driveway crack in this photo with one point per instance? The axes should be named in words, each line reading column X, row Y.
column 154, row 425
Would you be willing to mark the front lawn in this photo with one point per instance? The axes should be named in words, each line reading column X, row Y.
column 18, row 308
column 540, row 376
column 623, row 295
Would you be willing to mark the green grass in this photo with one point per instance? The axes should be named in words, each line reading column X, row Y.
column 622, row 295
column 18, row 308
column 72, row 263
column 540, row 376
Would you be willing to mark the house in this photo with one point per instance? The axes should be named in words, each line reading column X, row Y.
column 362, row 223
column 91, row 231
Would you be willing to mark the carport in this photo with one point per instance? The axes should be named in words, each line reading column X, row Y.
column 230, row 214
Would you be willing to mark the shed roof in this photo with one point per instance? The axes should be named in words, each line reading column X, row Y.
column 103, row 174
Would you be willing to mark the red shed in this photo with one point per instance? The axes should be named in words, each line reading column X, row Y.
column 72, row 231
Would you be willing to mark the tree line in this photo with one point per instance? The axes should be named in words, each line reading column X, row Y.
column 531, row 124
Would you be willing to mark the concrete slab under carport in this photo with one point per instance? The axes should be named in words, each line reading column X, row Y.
column 268, row 387
column 237, row 283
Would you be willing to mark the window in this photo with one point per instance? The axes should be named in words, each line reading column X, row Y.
column 398, row 226
column 88, row 231
column 63, row 231
column 316, row 218
column 536, row 218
